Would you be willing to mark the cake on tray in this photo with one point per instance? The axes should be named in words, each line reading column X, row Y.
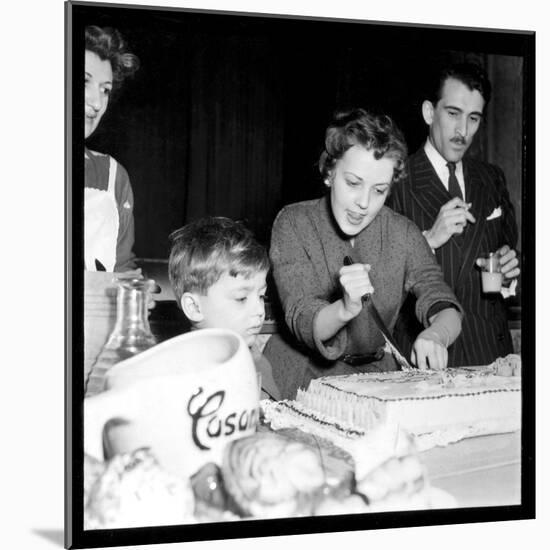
column 437, row 407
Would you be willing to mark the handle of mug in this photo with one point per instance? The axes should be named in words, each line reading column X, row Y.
column 99, row 410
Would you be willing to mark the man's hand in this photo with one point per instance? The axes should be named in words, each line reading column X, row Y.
column 452, row 219
column 508, row 261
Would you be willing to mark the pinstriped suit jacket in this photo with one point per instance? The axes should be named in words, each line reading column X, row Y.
column 485, row 335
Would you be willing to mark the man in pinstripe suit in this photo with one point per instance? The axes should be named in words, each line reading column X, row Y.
column 464, row 210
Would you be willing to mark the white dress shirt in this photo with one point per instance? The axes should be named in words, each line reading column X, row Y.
column 441, row 168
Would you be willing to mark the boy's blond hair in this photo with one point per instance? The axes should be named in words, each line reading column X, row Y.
column 202, row 251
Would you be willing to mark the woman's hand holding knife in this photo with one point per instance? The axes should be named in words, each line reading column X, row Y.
column 355, row 283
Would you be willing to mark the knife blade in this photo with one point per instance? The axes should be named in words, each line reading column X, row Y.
column 390, row 341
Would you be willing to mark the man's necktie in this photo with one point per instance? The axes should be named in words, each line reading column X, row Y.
column 454, row 187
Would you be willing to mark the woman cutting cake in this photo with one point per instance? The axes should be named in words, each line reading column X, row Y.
column 330, row 332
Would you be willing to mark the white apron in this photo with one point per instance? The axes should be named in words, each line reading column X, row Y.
column 101, row 224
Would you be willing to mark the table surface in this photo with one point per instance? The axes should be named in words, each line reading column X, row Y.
column 478, row 471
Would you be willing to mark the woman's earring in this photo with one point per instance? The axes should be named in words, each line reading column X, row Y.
column 327, row 182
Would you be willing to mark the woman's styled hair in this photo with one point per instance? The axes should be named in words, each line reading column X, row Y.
column 202, row 251
column 377, row 133
column 109, row 45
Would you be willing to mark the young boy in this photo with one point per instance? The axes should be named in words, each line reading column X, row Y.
column 218, row 273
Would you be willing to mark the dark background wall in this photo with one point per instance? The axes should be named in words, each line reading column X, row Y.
column 227, row 114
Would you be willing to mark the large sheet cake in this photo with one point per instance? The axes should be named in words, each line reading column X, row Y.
column 436, row 407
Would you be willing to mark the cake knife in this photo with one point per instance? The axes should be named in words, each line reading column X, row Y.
column 390, row 341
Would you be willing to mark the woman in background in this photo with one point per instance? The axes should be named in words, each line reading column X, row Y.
column 108, row 196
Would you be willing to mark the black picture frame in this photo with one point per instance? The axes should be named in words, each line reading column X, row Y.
column 491, row 41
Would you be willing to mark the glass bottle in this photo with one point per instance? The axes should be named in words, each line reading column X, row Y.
column 131, row 334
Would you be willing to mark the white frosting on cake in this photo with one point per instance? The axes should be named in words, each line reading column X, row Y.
column 437, row 407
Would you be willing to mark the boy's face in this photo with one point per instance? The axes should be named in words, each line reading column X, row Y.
column 235, row 303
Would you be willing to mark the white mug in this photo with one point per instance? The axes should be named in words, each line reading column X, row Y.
column 184, row 399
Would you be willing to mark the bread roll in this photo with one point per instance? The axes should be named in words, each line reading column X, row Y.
column 269, row 475
column 134, row 491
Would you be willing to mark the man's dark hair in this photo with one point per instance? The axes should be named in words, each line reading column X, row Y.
column 471, row 74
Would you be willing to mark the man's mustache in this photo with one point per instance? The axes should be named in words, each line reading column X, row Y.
column 459, row 140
